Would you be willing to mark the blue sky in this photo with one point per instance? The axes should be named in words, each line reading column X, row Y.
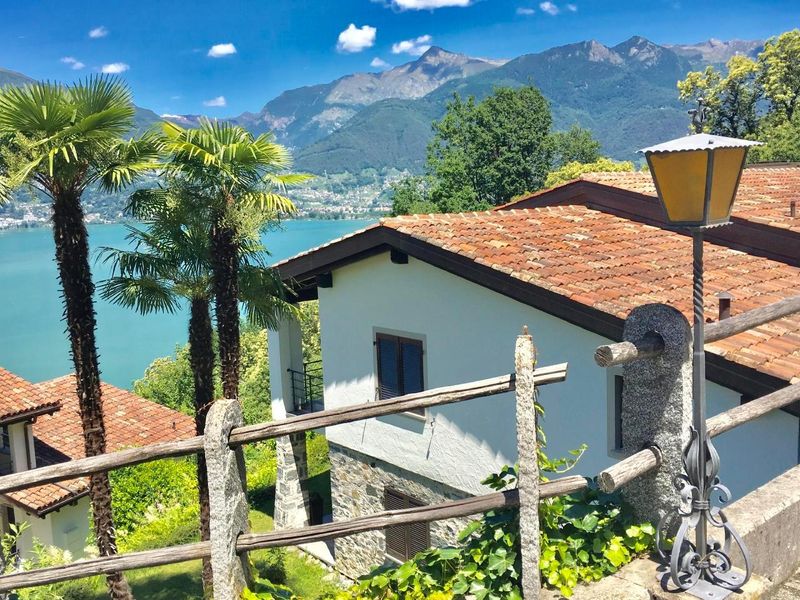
column 225, row 57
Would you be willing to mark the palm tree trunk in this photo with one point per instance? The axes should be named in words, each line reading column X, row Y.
column 225, row 265
column 72, row 257
column 201, row 356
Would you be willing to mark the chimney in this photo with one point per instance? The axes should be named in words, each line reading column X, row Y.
column 724, row 305
column 793, row 208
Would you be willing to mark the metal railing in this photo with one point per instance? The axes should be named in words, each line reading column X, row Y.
column 307, row 388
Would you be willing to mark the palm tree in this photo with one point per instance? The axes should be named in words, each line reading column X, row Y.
column 231, row 172
column 170, row 262
column 62, row 139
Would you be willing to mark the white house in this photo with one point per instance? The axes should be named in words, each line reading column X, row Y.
column 40, row 425
column 424, row 301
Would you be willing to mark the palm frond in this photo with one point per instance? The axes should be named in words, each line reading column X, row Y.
column 263, row 295
column 143, row 294
column 268, row 201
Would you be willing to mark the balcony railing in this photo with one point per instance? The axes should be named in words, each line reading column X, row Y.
column 307, row 388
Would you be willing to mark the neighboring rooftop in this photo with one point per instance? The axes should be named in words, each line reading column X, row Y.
column 20, row 400
column 129, row 421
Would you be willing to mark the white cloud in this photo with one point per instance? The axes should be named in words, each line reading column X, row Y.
column 114, row 68
column 356, row 39
column 426, row 4
column 572, row 8
column 525, row 11
column 220, row 50
column 379, row 63
column 218, row 101
column 414, row 47
column 73, row 63
column 550, row 8
column 98, row 32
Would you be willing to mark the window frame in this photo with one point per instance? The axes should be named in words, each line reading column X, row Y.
column 400, row 338
column 408, row 501
column 615, row 392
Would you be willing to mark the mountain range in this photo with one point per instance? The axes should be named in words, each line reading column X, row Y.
column 625, row 94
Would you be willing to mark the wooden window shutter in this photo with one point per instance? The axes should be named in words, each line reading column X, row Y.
column 389, row 383
column 395, row 536
column 403, row 542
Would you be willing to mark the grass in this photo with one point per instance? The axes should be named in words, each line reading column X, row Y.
column 182, row 581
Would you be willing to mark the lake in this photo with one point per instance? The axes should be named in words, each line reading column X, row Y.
column 33, row 342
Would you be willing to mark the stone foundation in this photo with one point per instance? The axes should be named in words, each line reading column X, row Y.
column 357, row 486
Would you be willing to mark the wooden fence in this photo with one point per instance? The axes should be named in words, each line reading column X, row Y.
column 529, row 488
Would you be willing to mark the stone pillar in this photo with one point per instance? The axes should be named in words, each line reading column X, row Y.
column 657, row 406
column 228, row 500
column 528, row 474
column 285, row 353
column 291, row 500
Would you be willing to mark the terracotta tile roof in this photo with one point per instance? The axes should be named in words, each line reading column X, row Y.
column 614, row 264
column 130, row 421
column 763, row 197
column 19, row 398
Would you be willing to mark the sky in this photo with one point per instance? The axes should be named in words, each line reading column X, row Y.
column 222, row 58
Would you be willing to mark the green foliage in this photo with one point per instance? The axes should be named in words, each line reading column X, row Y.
column 755, row 99
column 151, row 486
column 574, row 145
column 162, row 527
column 781, row 143
column 779, row 73
column 484, row 153
column 168, row 380
column 573, row 170
column 270, row 565
column 732, row 98
column 410, row 196
column 40, row 557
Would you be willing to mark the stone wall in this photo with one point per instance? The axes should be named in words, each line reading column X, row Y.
column 357, row 486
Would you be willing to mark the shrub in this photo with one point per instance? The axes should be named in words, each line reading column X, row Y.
column 169, row 527
column 270, row 564
column 153, row 486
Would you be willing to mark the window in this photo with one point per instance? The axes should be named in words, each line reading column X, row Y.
column 400, row 369
column 616, row 426
column 402, row 543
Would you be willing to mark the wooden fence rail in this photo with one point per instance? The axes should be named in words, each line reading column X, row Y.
column 275, row 429
column 255, row 541
column 620, row 353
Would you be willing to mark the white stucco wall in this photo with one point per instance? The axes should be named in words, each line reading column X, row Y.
column 67, row 528
column 469, row 334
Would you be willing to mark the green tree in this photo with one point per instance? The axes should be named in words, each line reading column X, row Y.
column 779, row 74
column 230, row 172
column 486, row 153
column 732, row 98
column 781, row 143
column 171, row 261
column 410, row 196
column 574, row 170
column 62, row 139
column 574, row 145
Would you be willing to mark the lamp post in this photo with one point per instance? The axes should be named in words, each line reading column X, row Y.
column 696, row 178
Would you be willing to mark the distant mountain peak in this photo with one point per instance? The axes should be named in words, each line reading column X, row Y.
column 641, row 50
column 717, row 51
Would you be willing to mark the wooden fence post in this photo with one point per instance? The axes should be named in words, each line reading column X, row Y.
column 228, row 499
column 528, row 474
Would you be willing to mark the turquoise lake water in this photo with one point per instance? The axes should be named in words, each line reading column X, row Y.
column 32, row 339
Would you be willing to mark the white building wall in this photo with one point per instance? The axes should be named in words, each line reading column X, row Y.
column 469, row 333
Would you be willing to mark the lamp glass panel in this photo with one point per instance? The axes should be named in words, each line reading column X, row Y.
column 681, row 179
column 727, row 166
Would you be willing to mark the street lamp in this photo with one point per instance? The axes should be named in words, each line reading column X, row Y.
column 696, row 178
